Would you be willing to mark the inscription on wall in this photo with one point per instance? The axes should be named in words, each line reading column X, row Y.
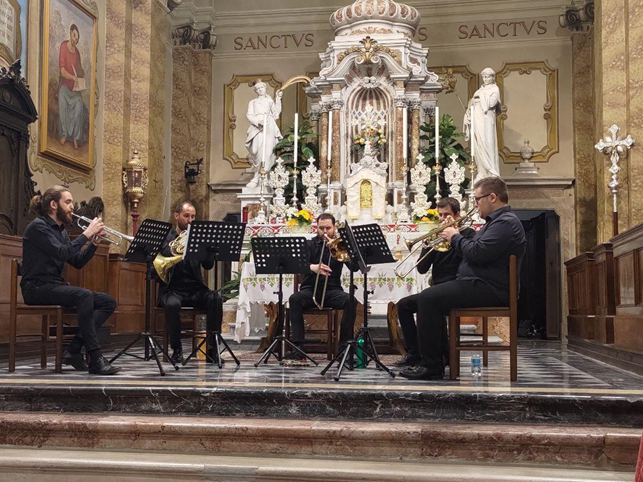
column 275, row 42
column 487, row 30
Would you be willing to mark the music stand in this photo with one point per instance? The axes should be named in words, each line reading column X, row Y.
column 366, row 247
column 282, row 256
column 143, row 249
column 218, row 241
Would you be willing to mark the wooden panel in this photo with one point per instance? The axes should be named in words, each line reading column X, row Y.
column 624, row 266
column 628, row 332
column 605, row 295
column 127, row 286
column 581, row 289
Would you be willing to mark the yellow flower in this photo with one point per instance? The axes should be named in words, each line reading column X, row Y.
column 424, row 220
column 292, row 222
column 383, row 141
column 362, row 141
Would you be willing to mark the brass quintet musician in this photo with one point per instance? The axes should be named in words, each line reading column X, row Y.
column 46, row 249
column 482, row 278
column 445, row 267
column 335, row 296
column 185, row 287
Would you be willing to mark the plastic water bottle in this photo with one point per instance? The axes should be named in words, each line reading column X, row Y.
column 360, row 355
column 476, row 366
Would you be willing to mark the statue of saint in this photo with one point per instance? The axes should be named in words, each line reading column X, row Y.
column 257, row 109
column 486, row 107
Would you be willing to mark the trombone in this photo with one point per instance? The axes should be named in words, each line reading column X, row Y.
column 337, row 249
column 83, row 223
column 433, row 241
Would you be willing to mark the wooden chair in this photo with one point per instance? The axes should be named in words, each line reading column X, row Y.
column 456, row 345
column 45, row 311
column 332, row 325
column 191, row 329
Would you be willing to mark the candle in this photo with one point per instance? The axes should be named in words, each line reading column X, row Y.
column 330, row 134
column 437, row 134
column 405, row 134
column 471, row 134
column 265, row 144
column 296, row 135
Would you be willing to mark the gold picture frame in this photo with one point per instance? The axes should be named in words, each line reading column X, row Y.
column 550, row 111
column 67, row 125
column 231, row 116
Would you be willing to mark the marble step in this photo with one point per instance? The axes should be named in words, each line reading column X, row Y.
column 26, row 465
column 568, row 446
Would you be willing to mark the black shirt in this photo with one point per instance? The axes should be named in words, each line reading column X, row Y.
column 485, row 257
column 315, row 247
column 45, row 250
column 184, row 276
column 445, row 264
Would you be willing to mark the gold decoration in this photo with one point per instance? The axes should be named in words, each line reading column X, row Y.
column 365, row 195
column 368, row 52
column 550, row 110
column 448, row 76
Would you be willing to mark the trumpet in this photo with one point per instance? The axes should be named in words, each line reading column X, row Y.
column 337, row 249
column 83, row 223
column 433, row 241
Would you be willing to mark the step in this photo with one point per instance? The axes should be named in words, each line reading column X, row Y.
column 19, row 464
column 569, row 446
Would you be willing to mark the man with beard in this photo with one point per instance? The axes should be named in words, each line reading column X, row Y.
column 186, row 287
column 70, row 100
column 46, row 249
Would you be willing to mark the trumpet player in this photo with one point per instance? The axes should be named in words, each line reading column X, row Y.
column 335, row 297
column 483, row 274
column 445, row 267
column 46, row 249
column 185, row 287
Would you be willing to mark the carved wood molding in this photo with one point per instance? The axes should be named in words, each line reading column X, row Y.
column 550, row 110
column 231, row 116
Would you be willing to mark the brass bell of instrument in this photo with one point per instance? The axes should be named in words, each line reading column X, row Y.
column 163, row 264
column 339, row 250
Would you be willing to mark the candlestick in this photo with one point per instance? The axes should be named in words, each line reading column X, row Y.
column 437, row 134
column 330, row 134
column 294, row 187
column 472, row 135
column 296, row 139
column 405, row 134
column 263, row 157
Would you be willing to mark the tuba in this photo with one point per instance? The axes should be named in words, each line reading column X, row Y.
column 163, row 264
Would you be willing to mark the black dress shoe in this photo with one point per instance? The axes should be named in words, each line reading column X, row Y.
column 102, row 367
column 422, row 373
column 408, row 360
column 76, row 360
column 177, row 356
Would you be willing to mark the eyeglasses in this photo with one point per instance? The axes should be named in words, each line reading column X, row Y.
column 477, row 199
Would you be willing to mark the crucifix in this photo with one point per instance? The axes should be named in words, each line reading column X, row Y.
column 615, row 147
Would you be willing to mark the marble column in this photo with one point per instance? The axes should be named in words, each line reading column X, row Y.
column 336, row 147
column 182, row 103
column 415, row 131
column 400, row 104
column 323, row 142
column 314, row 125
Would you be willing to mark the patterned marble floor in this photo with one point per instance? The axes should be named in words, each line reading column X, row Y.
column 543, row 367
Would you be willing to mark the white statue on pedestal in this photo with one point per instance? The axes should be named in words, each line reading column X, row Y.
column 486, row 107
column 258, row 109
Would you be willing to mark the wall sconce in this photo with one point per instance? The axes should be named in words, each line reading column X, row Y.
column 192, row 170
column 135, row 184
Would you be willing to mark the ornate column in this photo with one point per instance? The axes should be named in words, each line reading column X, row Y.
column 400, row 104
column 335, row 161
column 314, row 117
column 323, row 139
column 415, row 106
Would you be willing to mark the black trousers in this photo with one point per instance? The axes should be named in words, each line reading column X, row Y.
column 406, row 309
column 204, row 299
column 335, row 298
column 436, row 303
column 93, row 310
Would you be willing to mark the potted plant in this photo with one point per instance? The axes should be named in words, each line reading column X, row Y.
column 300, row 221
column 426, row 220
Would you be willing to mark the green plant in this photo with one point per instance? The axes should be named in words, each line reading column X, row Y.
column 449, row 145
column 307, row 148
column 231, row 289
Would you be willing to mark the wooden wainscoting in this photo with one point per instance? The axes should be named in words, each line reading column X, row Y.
column 581, row 290
column 127, row 286
column 605, row 295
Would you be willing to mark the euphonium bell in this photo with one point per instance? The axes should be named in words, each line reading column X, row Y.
column 163, row 264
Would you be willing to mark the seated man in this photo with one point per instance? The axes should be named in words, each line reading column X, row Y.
column 335, row 295
column 186, row 287
column 445, row 266
column 483, row 274
column 45, row 250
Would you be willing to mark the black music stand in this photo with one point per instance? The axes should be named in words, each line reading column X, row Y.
column 366, row 246
column 217, row 241
column 143, row 249
column 282, row 256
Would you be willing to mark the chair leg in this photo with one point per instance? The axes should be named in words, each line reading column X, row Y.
column 43, row 341
column 59, row 341
column 454, row 355
column 485, row 340
column 513, row 349
column 12, row 341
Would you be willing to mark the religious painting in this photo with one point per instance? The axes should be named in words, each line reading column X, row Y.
column 67, row 84
column 13, row 32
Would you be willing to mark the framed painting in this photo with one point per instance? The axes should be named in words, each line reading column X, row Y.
column 13, row 32
column 68, row 83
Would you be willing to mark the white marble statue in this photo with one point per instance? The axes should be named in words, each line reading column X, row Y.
column 257, row 109
column 486, row 107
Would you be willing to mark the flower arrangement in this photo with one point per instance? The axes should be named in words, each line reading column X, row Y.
column 428, row 216
column 303, row 217
column 371, row 135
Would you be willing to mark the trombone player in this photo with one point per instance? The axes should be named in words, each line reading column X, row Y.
column 46, row 248
column 336, row 297
column 185, row 287
column 445, row 267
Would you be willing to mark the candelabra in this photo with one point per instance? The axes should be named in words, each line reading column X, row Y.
column 454, row 176
column 262, row 218
column 420, row 177
column 279, row 179
column 311, row 178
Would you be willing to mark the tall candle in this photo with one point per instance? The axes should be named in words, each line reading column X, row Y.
column 296, row 136
column 265, row 143
column 405, row 134
column 437, row 134
column 472, row 135
column 330, row 134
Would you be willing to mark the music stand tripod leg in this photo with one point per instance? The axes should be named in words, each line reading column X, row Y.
column 154, row 353
column 196, row 350
column 268, row 352
column 221, row 340
column 124, row 350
